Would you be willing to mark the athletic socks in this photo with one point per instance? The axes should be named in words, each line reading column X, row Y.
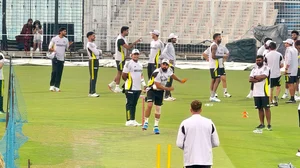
column 112, row 83
column 225, row 90
column 156, row 122
column 212, row 94
column 286, row 91
column 146, row 119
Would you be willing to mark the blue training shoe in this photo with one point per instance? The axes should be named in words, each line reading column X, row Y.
column 145, row 126
column 156, row 130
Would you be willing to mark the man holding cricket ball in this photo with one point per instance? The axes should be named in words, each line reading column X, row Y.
column 155, row 93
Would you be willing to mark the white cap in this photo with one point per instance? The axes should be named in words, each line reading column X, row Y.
column 290, row 41
column 156, row 32
column 165, row 61
column 134, row 51
column 269, row 41
column 172, row 35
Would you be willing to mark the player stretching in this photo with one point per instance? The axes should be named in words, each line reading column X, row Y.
column 222, row 68
column 121, row 47
column 155, row 94
column 215, row 54
column 260, row 77
column 274, row 61
column 157, row 47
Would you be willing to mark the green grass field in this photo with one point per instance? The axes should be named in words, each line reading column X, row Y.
column 70, row 130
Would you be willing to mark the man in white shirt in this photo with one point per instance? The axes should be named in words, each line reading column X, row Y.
column 205, row 54
column 133, row 77
column 274, row 61
column 297, row 46
column 291, row 69
column 261, row 51
column 169, row 54
column 260, row 75
column 215, row 56
column 58, row 46
column 155, row 93
column 197, row 136
column 156, row 47
column 94, row 55
column 121, row 47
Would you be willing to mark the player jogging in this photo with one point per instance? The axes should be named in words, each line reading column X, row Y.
column 121, row 47
column 215, row 54
column 274, row 61
column 155, row 93
column 222, row 68
column 133, row 75
column 156, row 47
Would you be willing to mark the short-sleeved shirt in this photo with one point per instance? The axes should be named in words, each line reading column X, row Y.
column 273, row 60
column 291, row 59
column 262, row 88
column 60, row 45
column 156, row 47
column 159, row 76
column 119, row 49
column 92, row 50
column 134, row 71
column 261, row 50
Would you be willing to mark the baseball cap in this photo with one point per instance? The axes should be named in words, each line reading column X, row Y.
column 172, row 35
column 165, row 61
column 135, row 51
column 290, row 41
column 156, row 32
column 269, row 41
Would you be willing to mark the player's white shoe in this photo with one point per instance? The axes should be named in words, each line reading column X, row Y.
column 111, row 87
column 284, row 96
column 216, row 95
column 94, row 95
column 226, row 94
column 52, row 88
column 297, row 98
column 214, row 99
column 56, row 89
column 249, row 96
column 169, row 99
column 132, row 123
column 298, row 153
column 117, row 90
column 258, row 131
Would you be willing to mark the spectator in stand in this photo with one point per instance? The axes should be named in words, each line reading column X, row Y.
column 37, row 35
column 26, row 34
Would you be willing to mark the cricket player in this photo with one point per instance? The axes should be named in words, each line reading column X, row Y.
column 121, row 47
column 94, row 55
column 222, row 68
column 274, row 61
column 133, row 75
column 58, row 46
column 259, row 76
column 155, row 93
column 156, row 47
column 1, row 82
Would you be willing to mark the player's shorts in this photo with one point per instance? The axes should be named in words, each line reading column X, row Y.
column 155, row 96
column 222, row 71
column 298, row 74
column 290, row 79
column 120, row 65
column 261, row 102
column 275, row 82
column 215, row 73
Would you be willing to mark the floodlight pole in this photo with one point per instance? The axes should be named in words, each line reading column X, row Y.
column 108, row 26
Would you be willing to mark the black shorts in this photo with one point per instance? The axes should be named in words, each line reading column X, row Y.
column 298, row 74
column 261, row 102
column 120, row 65
column 151, row 67
column 275, row 82
column 222, row 71
column 290, row 79
column 215, row 73
column 155, row 96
